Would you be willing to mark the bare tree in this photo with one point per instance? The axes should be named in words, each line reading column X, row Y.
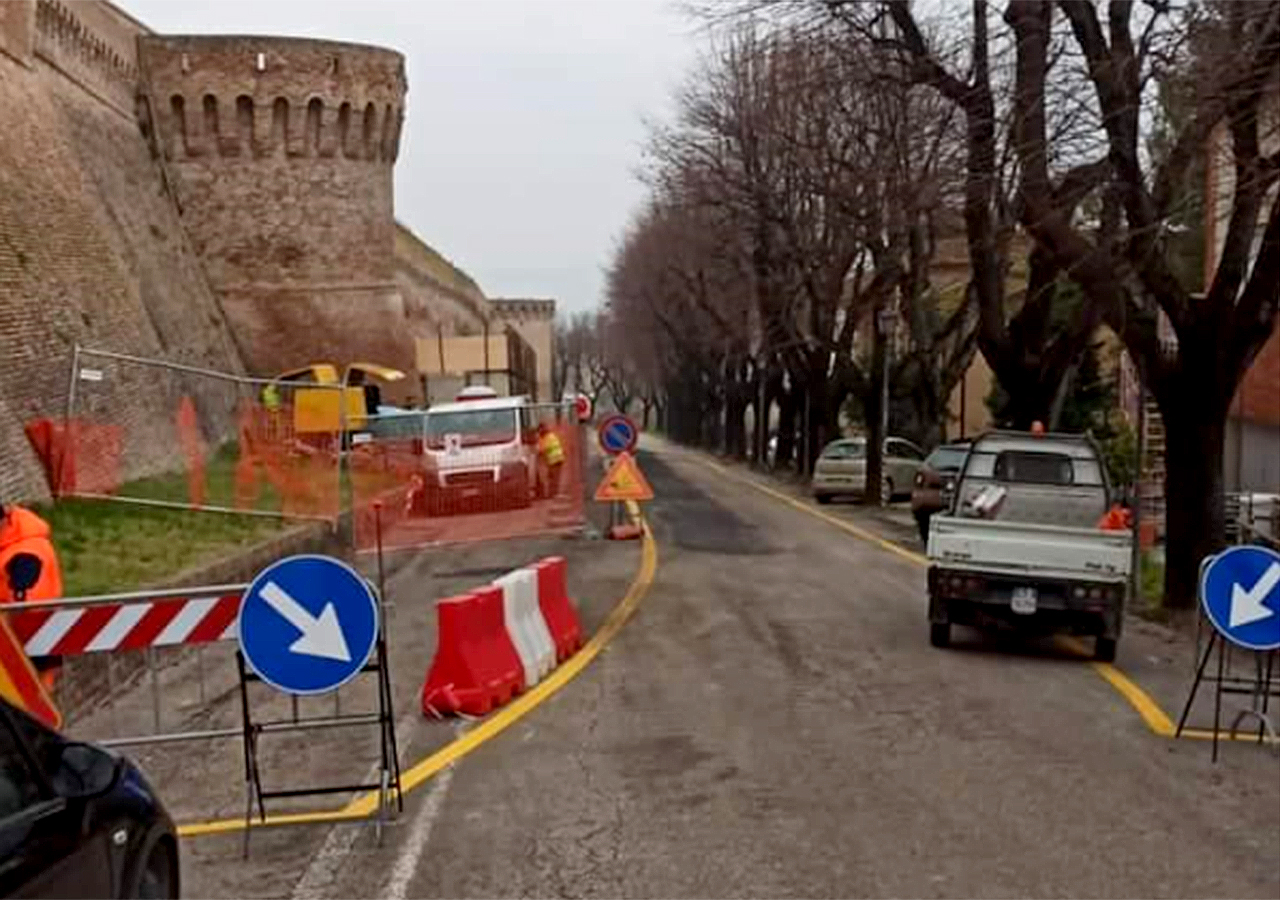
column 1122, row 262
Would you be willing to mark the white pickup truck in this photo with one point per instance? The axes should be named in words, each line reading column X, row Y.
column 1020, row 544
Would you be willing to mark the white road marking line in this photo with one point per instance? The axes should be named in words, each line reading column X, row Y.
column 415, row 843
column 118, row 626
column 323, row 868
column 322, row 871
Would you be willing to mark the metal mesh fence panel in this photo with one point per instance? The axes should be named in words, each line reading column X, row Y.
column 160, row 433
column 465, row 473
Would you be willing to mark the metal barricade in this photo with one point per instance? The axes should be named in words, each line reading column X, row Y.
column 165, row 434
column 116, row 640
column 106, row 643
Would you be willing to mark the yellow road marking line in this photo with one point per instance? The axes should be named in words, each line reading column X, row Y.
column 826, row 517
column 1244, row 735
column 223, row 826
column 366, row 805
column 1152, row 715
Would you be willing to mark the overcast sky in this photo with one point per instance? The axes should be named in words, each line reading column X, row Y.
column 524, row 119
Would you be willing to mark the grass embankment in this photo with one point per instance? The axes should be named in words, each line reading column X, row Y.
column 107, row 546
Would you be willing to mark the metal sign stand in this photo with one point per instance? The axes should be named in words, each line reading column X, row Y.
column 1260, row 689
column 1236, row 587
column 388, row 782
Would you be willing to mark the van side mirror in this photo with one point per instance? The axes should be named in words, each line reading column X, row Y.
column 23, row 571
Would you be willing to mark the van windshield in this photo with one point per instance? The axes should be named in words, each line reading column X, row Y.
column 473, row 427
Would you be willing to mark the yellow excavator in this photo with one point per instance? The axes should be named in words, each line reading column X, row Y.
column 334, row 403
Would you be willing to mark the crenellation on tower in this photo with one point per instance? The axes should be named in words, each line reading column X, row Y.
column 246, row 127
column 255, row 97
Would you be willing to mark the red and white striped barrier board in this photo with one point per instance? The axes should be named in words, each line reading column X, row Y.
column 163, row 622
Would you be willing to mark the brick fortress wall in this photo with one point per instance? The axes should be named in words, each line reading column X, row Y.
column 92, row 249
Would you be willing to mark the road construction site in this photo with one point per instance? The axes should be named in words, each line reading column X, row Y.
column 770, row 720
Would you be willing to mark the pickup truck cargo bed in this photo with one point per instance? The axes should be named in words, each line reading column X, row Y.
column 1016, row 548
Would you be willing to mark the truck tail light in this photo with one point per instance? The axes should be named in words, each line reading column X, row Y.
column 965, row 583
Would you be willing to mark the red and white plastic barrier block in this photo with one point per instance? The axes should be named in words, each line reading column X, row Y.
column 557, row 609
column 476, row 667
column 496, row 641
column 525, row 626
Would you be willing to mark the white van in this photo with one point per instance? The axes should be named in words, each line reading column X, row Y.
column 479, row 454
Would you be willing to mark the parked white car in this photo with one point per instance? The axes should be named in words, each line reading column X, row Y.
column 841, row 470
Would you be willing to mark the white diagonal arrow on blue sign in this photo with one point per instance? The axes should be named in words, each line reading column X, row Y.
column 321, row 635
column 1247, row 605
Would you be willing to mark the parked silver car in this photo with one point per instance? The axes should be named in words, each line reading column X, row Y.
column 842, row 469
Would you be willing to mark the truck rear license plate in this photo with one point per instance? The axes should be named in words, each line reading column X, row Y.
column 1023, row 601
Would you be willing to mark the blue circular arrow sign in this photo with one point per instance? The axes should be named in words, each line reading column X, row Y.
column 308, row 624
column 618, row 434
column 1240, row 593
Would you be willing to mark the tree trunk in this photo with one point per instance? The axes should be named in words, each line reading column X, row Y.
column 873, row 416
column 713, row 419
column 1065, row 387
column 1195, row 514
column 788, row 406
column 1030, row 400
column 735, row 425
column 819, row 424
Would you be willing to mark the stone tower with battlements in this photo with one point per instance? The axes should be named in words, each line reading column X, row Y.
column 280, row 154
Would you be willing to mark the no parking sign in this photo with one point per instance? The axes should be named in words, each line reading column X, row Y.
column 618, row 434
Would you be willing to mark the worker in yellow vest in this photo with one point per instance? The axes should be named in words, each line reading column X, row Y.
column 551, row 453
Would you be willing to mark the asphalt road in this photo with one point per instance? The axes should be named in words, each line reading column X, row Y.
column 773, row 722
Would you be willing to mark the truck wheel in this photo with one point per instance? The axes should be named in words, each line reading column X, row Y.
column 940, row 634
column 822, row 498
column 1104, row 649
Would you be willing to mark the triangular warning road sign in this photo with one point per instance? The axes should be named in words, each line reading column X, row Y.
column 624, row 481
column 19, row 682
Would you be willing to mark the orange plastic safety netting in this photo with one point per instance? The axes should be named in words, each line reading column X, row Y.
column 460, row 473
column 154, row 433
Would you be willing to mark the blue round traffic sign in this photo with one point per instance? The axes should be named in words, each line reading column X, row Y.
column 618, row 434
column 1240, row 593
column 308, row 624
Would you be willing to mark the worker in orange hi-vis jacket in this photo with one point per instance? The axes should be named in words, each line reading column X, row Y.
column 29, row 567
